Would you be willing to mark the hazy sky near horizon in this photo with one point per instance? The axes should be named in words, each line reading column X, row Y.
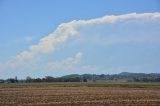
column 58, row 37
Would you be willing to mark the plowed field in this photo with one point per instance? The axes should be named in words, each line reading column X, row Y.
column 78, row 96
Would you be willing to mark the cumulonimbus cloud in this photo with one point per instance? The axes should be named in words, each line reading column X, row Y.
column 67, row 30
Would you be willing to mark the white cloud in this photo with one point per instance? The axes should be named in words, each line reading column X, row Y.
column 48, row 43
column 28, row 38
column 23, row 39
column 91, row 68
column 65, row 31
column 66, row 64
column 119, row 18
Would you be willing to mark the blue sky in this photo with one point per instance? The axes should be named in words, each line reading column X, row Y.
column 59, row 37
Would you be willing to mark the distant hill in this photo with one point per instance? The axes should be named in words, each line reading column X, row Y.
column 125, row 76
column 71, row 76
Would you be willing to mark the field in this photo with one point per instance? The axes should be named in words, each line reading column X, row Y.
column 80, row 94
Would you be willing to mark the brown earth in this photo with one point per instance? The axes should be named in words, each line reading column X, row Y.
column 79, row 96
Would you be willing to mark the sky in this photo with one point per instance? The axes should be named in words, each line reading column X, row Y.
column 41, row 38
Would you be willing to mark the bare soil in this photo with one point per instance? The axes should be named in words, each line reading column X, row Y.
column 78, row 96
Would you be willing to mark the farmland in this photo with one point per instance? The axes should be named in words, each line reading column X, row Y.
column 86, row 94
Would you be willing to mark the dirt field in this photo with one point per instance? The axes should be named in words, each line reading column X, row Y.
column 78, row 96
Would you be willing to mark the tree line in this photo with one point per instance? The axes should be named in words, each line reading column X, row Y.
column 124, row 76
